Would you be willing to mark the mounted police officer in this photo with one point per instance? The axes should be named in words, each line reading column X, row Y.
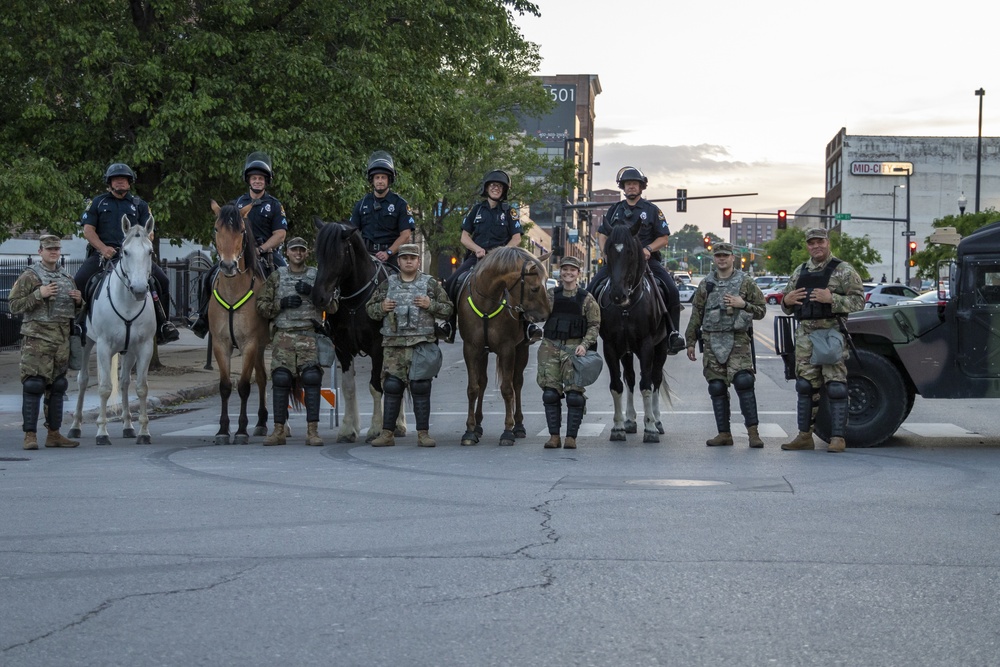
column 268, row 225
column 102, row 227
column 820, row 293
column 653, row 234
column 723, row 309
column 492, row 223
column 571, row 329
column 383, row 216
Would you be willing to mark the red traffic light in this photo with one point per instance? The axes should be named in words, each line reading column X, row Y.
column 727, row 218
column 913, row 247
column 707, row 241
column 782, row 219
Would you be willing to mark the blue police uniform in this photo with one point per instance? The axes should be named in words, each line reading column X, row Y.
column 382, row 220
column 489, row 228
column 266, row 217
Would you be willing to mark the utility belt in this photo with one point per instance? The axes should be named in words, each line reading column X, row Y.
column 91, row 250
column 376, row 247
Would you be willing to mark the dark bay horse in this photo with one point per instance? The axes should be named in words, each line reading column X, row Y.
column 347, row 274
column 234, row 322
column 505, row 288
column 633, row 322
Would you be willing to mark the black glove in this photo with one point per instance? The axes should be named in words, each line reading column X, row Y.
column 293, row 301
column 303, row 288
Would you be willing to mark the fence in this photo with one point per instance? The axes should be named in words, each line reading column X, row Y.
column 184, row 276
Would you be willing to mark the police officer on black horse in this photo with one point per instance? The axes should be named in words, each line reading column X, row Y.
column 653, row 234
column 102, row 227
column 268, row 225
column 382, row 215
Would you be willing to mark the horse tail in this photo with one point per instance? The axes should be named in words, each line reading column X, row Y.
column 664, row 390
column 296, row 393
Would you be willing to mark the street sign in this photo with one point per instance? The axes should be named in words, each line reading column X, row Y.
column 909, row 233
column 842, row 216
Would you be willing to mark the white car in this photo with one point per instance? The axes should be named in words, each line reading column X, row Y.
column 887, row 294
column 686, row 291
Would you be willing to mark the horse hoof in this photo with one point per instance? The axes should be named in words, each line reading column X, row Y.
column 507, row 439
column 74, row 433
column 470, row 438
column 144, row 440
column 631, row 426
column 347, row 438
column 241, row 439
column 222, row 439
column 370, row 437
column 399, row 432
column 520, row 431
column 617, row 435
column 103, row 440
column 479, row 430
column 128, row 432
column 260, row 430
column 659, row 428
column 650, row 436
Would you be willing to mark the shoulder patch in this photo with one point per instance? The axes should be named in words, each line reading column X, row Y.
column 514, row 214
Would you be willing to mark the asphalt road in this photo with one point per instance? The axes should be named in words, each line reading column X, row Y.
column 186, row 553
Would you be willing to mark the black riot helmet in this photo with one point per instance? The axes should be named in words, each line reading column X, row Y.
column 258, row 163
column 631, row 174
column 119, row 169
column 496, row 176
column 381, row 162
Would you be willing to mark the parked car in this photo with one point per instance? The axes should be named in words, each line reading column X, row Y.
column 10, row 325
column 686, row 291
column 551, row 282
column 682, row 277
column 887, row 294
column 774, row 293
column 927, row 297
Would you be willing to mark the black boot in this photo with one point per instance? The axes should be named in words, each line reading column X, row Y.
column 200, row 326
column 166, row 332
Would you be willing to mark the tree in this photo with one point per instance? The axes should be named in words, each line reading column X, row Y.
column 788, row 250
column 928, row 258
column 183, row 91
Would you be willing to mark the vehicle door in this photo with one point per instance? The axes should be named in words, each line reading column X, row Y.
column 979, row 319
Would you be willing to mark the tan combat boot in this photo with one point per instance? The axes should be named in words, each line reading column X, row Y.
column 425, row 440
column 804, row 440
column 836, row 445
column 721, row 440
column 755, row 441
column 277, row 436
column 553, row 442
column 385, row 439
column 55, row 439
column 30, row 440
column 312, row 435
column 569, row 443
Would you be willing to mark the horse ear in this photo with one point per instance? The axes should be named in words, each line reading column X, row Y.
column 318, row 223
column 150, row 225
column 125, row 224
column 245, row 211
column 545, row 257
column 215, row 207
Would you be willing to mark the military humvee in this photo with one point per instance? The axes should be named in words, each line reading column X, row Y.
column 944, row 349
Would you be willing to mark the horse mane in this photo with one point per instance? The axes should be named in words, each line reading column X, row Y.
column 506, row 260
column 136, row 231
column 229, row 216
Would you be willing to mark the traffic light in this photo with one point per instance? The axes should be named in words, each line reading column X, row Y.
column 454, row 261
column 707, row 241
column 557, row 241
column 913, row 249
column 682, row 201
column 782, row 219
column 727, row 218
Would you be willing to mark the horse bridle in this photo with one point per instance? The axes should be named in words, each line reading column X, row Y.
column 232, row 308
column 629, row 291
column 119, row 271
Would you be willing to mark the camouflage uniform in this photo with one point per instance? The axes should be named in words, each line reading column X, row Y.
column 848, row 297
column 403, row 329
column 728, row 353
column 45, row 329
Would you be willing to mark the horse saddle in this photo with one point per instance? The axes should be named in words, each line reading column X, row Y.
column 598, row 289
column 94, row 284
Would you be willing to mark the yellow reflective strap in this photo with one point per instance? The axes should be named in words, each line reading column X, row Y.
column 218, row 297
column 482, row 314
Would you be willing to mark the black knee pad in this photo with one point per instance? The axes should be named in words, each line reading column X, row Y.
column 575, row 399
column 281, row 377
column 717, row 388
column 59, row 385
column 836, row 390
column 393, row 385
column 34, row 385
column 803, row 386
column 312, row 376
column 420, row 387
column 743, row 380
column 551, row 396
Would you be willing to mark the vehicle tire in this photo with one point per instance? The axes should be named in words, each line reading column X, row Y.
column 879, row 401
column 772, row 300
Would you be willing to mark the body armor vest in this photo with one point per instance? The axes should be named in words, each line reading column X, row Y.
column 59, row 308
column 408, row 319
column 717, row 316
column 813, row 310
column 567, row 319
column 301, row 317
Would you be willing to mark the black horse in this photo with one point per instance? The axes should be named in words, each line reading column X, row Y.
column 634, row 321
column 348, row 275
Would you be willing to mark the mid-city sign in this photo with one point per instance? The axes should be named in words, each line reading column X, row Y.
column 881, row 168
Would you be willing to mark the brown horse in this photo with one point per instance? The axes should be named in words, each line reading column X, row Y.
column 233, row 319
column 506, row 288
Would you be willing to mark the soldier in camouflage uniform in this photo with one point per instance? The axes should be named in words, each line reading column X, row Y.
column 724, row 307
column 571, row 329
column 49, row 301
column 294, row 325
column 407, row 303
column 818, row 293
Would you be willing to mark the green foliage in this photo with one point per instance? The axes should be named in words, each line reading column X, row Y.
column 183, row 91
column 788, row 250
column 928, row 255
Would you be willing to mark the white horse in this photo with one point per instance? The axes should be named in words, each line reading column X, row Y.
column 121, row 321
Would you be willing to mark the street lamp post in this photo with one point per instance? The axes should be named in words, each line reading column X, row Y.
column 892, row 265
column 981, row 93
column 906, row 264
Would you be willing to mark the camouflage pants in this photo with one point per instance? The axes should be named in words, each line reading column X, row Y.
column 396, row 361
column 294, row 350
column 555, row 365
column 43, row 358
column 817, row 375
column 740, row 359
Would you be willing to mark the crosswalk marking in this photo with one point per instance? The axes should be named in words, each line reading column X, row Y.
column 939, row 430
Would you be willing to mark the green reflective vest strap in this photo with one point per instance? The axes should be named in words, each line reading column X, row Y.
column 503, row 304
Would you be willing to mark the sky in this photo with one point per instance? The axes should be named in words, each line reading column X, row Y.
column 724, row 97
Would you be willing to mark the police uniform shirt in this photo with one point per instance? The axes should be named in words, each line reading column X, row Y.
column 381, row 221
column 266, row 217
column 652, row 222
column 492, row 227
column 105, row 215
